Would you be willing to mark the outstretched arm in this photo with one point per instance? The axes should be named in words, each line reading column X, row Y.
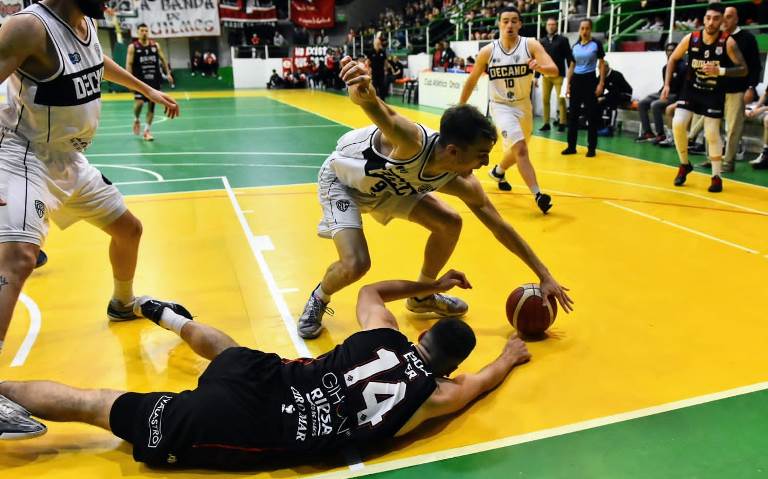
column 373, row 314
column 676, row 56
column 481, row 65
column 404, row 135
column 117, row 74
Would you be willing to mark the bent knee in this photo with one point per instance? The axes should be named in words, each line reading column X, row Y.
column 356, row 266
column 18, row 259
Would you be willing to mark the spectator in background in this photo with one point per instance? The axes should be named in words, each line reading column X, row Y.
column 437, row 56
column 658, row 106
column 761, row 162
column 584, row 87
column 278, row 39
column 211, row 64
column 446, row 61
column 301, row 36
column 617, row 93
column 274, row 81
column 378, row 68
column 255, row 40
column 196, row 65
column 559, row 50
column 396, row 67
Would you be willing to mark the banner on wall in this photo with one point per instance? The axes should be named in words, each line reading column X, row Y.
column 233, row 11
column 178, row 18
column 9, row 7
column 313, row 14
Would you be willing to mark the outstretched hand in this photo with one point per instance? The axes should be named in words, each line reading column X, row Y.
column 358, row 80
column 517, row 350
column 170, row 105
column 550, row 287
column 452, row 279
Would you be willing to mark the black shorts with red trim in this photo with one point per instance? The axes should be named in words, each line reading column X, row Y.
column 139, row 96
column 710, row 104
column 228, row 422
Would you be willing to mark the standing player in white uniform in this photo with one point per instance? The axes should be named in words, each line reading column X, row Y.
column 510, row 62
column 390, row 170
column 51, row 56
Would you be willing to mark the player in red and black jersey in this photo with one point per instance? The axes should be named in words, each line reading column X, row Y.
column 250, row 406
column 708, row 50
column 144, row 59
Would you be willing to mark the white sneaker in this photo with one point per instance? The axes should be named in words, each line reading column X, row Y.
column 441, row 304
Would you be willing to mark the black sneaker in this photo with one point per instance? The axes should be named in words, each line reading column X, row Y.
column 42, row 258
column 590, row 153
column 561, row 128
column 310, row 323
column 716, row 186
column 117, row 311
column 152, row 309
column 697, row 148
column 544, row 202
column 545, row 127
column 500, row 179
column 15, row 422
column 568, row 151
column 645, row 137
column 682, row 173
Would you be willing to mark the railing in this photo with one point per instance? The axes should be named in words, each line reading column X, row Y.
column 626, row 24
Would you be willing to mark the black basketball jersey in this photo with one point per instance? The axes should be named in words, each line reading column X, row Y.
column 146, row 62
column 700, row 54
column 363, row 390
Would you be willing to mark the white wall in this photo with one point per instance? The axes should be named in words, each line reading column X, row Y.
column 442, row 90
column 254, row 72
column 418, row 63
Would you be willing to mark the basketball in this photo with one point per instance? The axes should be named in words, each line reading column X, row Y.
column 526, row 313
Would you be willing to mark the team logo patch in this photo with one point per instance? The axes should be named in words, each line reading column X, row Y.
column 40, row 208
column 719, row 51
column 74, row 58
column 516, row 58
column 695, row 49
column 504, row 133
column 156, row 421
column 342, row 205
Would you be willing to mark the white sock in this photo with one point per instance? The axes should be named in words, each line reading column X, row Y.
column 499, row 170
column 320, row 294
column 423, row 278
column 717, row 167
column 535, row 190
column 123, row 291
column 172, row 321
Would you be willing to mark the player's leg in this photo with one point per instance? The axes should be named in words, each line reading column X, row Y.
column 680, row 122
column 761, row 162
column 354, row 261
column 715, row 145
column 58, row 402
column 574, row 112
column 444, row 224
column 17, row 260
column 509, row 126
column 593, row 116
column 150, row 116
column 561, row 106
column 734, row 125
column 138, row 104
column 125, row 233
column 546, row 90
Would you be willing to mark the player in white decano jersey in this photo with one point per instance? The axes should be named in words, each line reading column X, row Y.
column 390, row 170
column 51, row 56
column 510, row 63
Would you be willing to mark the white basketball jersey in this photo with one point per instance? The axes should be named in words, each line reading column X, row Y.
column 60, row 112
column 510, row 77
column 359, row 165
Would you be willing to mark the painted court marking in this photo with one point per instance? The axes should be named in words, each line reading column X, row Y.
column 157, row 176
column 203, row 153
column 220, row 130
column 35, row 320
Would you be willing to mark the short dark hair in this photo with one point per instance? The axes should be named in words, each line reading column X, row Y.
column 552, row 18
column 141, row 25
column 463, row 125
column 588, row 20
column 717, row 7
column 510, row 9
column 448, row 342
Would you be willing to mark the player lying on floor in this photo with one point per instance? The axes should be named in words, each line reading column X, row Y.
column 250, row 406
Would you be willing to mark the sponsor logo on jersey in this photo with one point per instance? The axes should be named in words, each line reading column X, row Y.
column 71, row 89
column 342, row 205
column 88, row 84
column 301, row 427
column 40, row 208
column 287, row 409
column 509, row 71
column 74, row 58
column 156, row 421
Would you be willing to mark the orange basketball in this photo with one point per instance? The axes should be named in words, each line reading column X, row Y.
column 528, row 314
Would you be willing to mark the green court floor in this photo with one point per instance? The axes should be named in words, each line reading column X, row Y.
column 261, row 142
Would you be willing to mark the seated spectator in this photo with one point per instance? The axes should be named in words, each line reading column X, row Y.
column 759, row 111
column 196, row 64
column 657, row 106
column 617, row 93
column 255, row 40
column 278, row 39
column 437, row 56
column 211, row 64
column 458, row 66
column 274, row 81
column 396, row 68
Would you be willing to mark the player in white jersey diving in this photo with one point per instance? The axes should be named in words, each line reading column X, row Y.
column 510, row 63
column 390, row 170
column 51, row 57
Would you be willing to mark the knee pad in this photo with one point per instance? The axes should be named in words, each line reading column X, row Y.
column 712, row 135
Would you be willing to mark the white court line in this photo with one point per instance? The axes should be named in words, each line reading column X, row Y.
column 266, row 165
column 205, row 153
column 684, row 228
column 127, row 125
column 174, row 180
column 35, row 320
column 288, row 290
column 219, row 130
column 258, row 245
column 158, row 176
column 205, row 117
column 546, row 433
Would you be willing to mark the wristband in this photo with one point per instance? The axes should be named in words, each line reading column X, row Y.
column 722, row 71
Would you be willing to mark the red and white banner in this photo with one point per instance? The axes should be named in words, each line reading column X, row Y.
column 236, row 13
column 178, row 18
column 313, row 13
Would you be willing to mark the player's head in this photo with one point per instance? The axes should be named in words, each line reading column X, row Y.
column 143, row 32
column 447, row 343
column 585, row 29
column 92, row 8
column 670, row 48
column 713, row 18
column 552, row 25
column 509, row 21
column 467, row 138
column 730, row 19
